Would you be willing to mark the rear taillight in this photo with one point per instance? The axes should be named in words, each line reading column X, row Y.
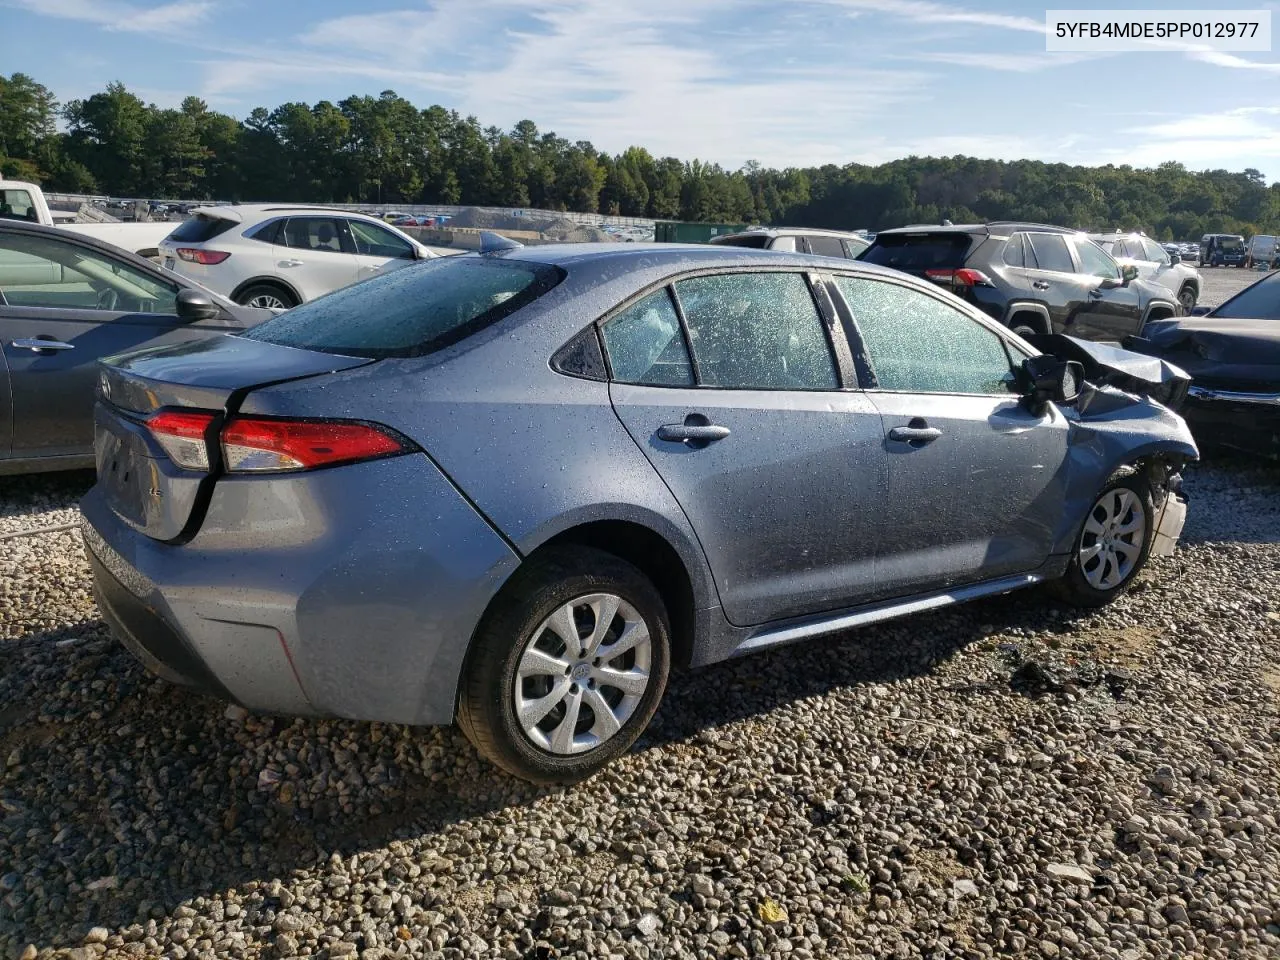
column 964, row 277
column 183, row 437
column 259, row 445
column 266, row 445
column 207, row 257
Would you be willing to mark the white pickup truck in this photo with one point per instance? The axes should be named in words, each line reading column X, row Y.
column 25, row 201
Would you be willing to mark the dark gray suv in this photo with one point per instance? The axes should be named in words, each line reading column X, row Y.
column 1031, row 277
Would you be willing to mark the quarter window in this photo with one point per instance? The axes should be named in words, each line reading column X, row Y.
column 918, row 344
column 1013, row 251
column 645, row 345
column 757, row 331
column 41, row 271
column 1051, row 252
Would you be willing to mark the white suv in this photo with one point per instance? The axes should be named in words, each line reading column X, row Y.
column 276, row 256
column 1154, row 263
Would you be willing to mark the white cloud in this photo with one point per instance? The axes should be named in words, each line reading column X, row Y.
column 1220, row 59
column 166, row 18
column 921, row 11
column 1011, row 62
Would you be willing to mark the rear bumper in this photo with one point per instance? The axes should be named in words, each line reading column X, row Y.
column 351, row 592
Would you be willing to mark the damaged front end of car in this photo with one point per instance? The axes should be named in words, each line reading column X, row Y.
column 1124, row 420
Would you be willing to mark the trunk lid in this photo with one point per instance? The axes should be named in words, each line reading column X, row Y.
column 141, row 483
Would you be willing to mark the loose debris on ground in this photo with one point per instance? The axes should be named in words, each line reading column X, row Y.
column 1004, row 778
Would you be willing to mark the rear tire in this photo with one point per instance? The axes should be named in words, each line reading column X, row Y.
column 266, row 296
column 1112, row 545
column 590, row 705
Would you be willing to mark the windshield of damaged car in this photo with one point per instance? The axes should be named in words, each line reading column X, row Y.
column 1258, row 302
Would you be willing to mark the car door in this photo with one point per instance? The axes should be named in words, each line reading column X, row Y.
column 1113, row 307
column 379, row 250
column 1051, row 273
column 975, row 478
column 775, row 463
column 65, row 306
column 315, row 255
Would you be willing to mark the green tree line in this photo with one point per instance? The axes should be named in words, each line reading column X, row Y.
column 386, row 150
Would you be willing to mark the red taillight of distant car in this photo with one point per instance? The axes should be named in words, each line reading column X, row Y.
column 262, row 445
column 964, row 277
column 269, row 445
column 207, row 257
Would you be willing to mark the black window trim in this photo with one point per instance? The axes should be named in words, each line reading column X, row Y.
column 808, row 272
column 855, row 334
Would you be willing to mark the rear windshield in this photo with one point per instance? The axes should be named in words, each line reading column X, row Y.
column 1258, row 302
column 1229, row 243
column 414, row 310
column 759, row 241
column 918, row 251
column 198, row 229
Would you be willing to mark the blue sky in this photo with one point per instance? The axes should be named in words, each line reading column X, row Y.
column 784, row 82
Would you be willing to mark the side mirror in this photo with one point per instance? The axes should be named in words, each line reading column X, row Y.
column 1128, row 274
column 1050, row 380
column 1200, row 311
column 193, row 305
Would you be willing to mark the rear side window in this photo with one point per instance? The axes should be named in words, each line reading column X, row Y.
column 645, row 345
column 756, row 331
column 323, row 234
column 919, row 251
column 414, row 311
column 198, row 229
column 826, row 246
column 756, row 241
column 1051, row 252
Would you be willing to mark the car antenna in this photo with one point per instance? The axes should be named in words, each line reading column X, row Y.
column 491, row 242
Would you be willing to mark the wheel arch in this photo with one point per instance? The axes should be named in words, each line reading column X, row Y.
column 267, row 281
column 1160, row 310
column 1029, row 307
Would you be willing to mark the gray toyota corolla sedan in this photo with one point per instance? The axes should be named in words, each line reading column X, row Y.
column 514, row 489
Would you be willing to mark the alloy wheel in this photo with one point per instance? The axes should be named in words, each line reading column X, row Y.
column 1112, row 540
column 582, row 674
column 267, row 301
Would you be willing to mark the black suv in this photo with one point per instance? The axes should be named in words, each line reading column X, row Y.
column 1031, row 277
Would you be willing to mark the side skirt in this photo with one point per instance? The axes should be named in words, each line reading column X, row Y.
column 875, row 613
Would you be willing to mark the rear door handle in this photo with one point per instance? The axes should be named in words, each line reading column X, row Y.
column 915, row 434
column 695, row 433
column 35, row 343
column 1095, row 294
column 1040, row 284
column 288, row 263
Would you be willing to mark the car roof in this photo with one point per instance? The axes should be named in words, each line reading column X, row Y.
column 794, row 232
column 691, row 255
column 992, row 228
column 244, row 212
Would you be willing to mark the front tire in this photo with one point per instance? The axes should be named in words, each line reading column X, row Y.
column 1113, row 543
column 567, row 667
column 1187, row 297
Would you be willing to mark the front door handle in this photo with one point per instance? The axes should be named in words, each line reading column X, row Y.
column 37, row 343
column 915, row 434
column 1095, row 294
column 692, row 432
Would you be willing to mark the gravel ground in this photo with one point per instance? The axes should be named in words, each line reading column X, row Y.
column 1000, row 778
column 1219, row 283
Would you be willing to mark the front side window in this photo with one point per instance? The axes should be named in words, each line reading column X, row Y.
column 1153, row 251
column 757, row 331
column 1094, row 262
column 410, row 313
column 17, row 205
column 917, row 344
column 1261, row 301
column 1051, row 252
column 42, row 271
column 645, row 345
column 374, row 241
column 323, row 234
